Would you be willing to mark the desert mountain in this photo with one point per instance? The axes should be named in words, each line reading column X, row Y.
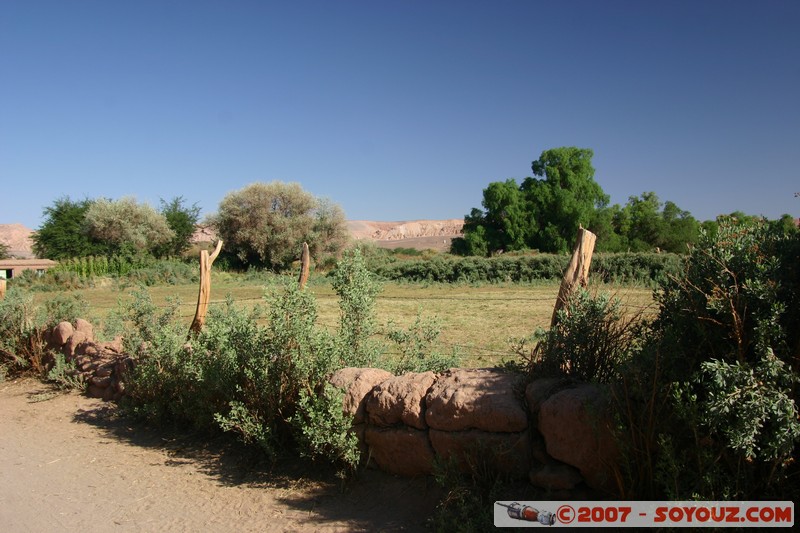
column 393, row 231
column 18, row 239
column 420, row 234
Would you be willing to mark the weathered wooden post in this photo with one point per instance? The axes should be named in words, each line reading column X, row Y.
column 577, row 273
column 2, row 288
column 305, row 265
column 205, row 288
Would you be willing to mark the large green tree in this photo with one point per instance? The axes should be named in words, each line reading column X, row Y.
column 265, row 224
column 543, row 213
column 4, row 251
column 182, row 220
column 565, row 198
column 62, row 234
column 647, row 225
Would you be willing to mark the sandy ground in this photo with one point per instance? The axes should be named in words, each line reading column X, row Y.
column 71, row 463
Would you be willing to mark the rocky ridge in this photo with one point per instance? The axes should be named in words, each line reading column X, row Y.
column 18, row 239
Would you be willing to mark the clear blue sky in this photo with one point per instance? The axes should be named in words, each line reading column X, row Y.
column 397, row 110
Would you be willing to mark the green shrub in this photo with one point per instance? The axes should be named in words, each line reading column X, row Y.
column 64, row 375
column 52, row 280
column 417, row 348
column 591, row 340
column 357, row 289
column 164, row 271
column 627, row 268
column 21, row 342
column 323, row 430
column 238, row 376
column 65, row 308
column 23, row 324
column 164, row 377
column 719, row 375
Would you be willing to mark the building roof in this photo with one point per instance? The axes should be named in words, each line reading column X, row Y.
column 30, row 263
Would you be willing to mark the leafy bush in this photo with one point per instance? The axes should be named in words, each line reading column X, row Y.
column 591, row 340
column 64, row 308
column 50, row 281
column 323, row 430
column 21, row 342
column 416, row 345
column 23, row 324
column 127, row 270
column 636, row 267
column 161, row 383
column 64, row 375
column 357, row 290
column 265, row 224
column 258, row 382
column 719, row 372
column 164, row 271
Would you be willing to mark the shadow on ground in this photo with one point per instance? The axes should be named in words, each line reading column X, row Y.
column 371, row 501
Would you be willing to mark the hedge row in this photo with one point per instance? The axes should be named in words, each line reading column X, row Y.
column 624, row 267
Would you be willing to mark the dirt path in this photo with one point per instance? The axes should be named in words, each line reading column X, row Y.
column 70, row 463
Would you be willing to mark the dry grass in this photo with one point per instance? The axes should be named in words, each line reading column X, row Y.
column 478, row 321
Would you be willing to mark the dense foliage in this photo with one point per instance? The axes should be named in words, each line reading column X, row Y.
column 707, row 389
column 105, row 227
column 633, row 267
column 592, row 340
column 4, row 251
column 126, row 227
column 62, row 234
column 265, row 224
column 644, row 224
column 545, row 214
column 541, row 214
column 728, row 333
column 182, row 220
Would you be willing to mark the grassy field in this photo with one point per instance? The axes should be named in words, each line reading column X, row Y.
column 477, row 321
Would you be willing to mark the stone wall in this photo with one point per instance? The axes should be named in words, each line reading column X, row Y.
column 556, row 433
column 101, row 365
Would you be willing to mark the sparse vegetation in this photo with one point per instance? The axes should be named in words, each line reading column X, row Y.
column 719, row 357
column 266, row 384
column 23, row 324
column 592, row 340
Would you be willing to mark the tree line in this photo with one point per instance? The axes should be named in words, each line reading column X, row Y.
column 544, row 213
column 262, row 225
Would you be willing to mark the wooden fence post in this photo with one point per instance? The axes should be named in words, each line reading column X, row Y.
column 2, row 288
column 577, row 273
column 305, row 265
column 205, row 288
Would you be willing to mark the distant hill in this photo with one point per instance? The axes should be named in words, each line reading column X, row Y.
column 18, row 239
column 419, row 234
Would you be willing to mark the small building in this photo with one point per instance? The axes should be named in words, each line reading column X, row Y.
column 10, row 268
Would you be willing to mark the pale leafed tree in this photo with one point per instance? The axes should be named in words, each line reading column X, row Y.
column 126, row 226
